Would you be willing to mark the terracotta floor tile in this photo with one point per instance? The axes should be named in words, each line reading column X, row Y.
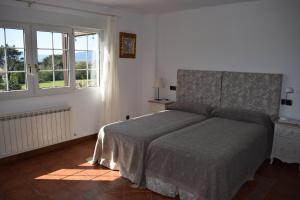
column 79, row 178
column 137, row 196
column 12, row 183
column 66, row 172
column 109, row 176
column 93, row 172
column 110, row 196
column 23, row 191
column 275, row 195
column 156, row 196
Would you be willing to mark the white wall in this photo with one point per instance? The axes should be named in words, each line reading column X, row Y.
column 84, row 102
column 149, row 61
column 258, row 36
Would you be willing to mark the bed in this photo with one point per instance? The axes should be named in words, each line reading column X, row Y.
column 211, row 159
column 122, row 145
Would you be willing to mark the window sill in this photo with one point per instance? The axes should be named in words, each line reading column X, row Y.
column 45, row 92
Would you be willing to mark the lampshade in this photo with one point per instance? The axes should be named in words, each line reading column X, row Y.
column 289, row 90
column 158, row 83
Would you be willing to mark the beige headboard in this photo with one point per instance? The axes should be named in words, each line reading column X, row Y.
column 252, row 91
column 199, row 86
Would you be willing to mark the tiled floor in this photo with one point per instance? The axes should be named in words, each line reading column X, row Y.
column 64, row 174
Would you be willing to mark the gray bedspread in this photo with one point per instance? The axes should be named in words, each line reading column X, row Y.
column 122, row 146
column 209, row 160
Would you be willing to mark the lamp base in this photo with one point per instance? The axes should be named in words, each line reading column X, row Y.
column 158, row 99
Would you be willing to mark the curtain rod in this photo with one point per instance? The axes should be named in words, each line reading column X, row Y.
column 30, row 3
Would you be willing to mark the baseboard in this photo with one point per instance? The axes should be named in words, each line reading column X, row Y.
column 35, row 152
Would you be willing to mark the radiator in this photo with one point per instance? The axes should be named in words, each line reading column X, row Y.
column 26, row 131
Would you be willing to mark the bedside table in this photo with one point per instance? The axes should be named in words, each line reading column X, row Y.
column 157, row 106
column 286, row 143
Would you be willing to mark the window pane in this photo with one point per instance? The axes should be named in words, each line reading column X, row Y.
column 2, row 61
column 45, row 79
column 2, row 82
column 86, row 59
column 59, row 60
column 80, row 59
column 44, row 39
column 57, row 40
column 45, row 59
column 92, row 78
column 14, row 38
column 1, row 37
column 92, row 59
column 92, row 42
column 16, row 81
column 15, row 59
column 81, row 43
column 53, row 63
column 81, row 78
column 61, row 79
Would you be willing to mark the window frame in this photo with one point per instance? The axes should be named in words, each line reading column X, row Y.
column 99, row 56
column 30, row 47
column 27, row 61
column 59, row 90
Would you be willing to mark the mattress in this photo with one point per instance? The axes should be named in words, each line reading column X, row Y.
column 122, row 145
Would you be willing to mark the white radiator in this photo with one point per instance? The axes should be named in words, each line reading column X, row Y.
column 22, row 132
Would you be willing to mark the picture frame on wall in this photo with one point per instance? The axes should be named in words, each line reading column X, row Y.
column 127, row 45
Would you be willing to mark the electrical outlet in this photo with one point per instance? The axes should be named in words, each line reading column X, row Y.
column 287, row 102
column 127, row 117
column 172, row 87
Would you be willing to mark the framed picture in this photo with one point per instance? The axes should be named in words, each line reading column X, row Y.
column 127, row 45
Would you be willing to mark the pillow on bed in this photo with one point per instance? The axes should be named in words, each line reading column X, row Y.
column 243, row 115
column 198, row 108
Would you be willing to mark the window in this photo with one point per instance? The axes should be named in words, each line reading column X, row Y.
column 36, row 60
column 86, row 59
column 12, row 60
column 52, row 59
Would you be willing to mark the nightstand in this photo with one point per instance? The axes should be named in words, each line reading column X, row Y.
column 158, row 105
column 286, row 143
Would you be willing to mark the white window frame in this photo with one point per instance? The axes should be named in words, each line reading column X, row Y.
column 99, row 56
column 27, row 61
column 30, row 47
column 59, row 90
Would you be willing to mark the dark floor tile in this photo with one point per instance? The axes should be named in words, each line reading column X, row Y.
column 24, row 191
column 137, row 196
column 156, row 196
column 277, row 195
column 110, row 196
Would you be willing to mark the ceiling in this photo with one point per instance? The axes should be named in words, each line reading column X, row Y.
column 159, row 6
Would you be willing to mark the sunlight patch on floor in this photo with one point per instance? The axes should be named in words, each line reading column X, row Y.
column 81, row 175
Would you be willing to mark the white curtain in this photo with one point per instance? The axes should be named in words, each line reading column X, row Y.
column 110, row 98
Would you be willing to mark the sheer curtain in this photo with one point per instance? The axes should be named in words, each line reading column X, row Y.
column 109, row 85
column 110, row 98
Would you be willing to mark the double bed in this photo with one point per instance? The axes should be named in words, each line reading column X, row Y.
column 192, row 150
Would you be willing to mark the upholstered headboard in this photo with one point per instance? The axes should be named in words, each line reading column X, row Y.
column 252, row 91
column 199, row 86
